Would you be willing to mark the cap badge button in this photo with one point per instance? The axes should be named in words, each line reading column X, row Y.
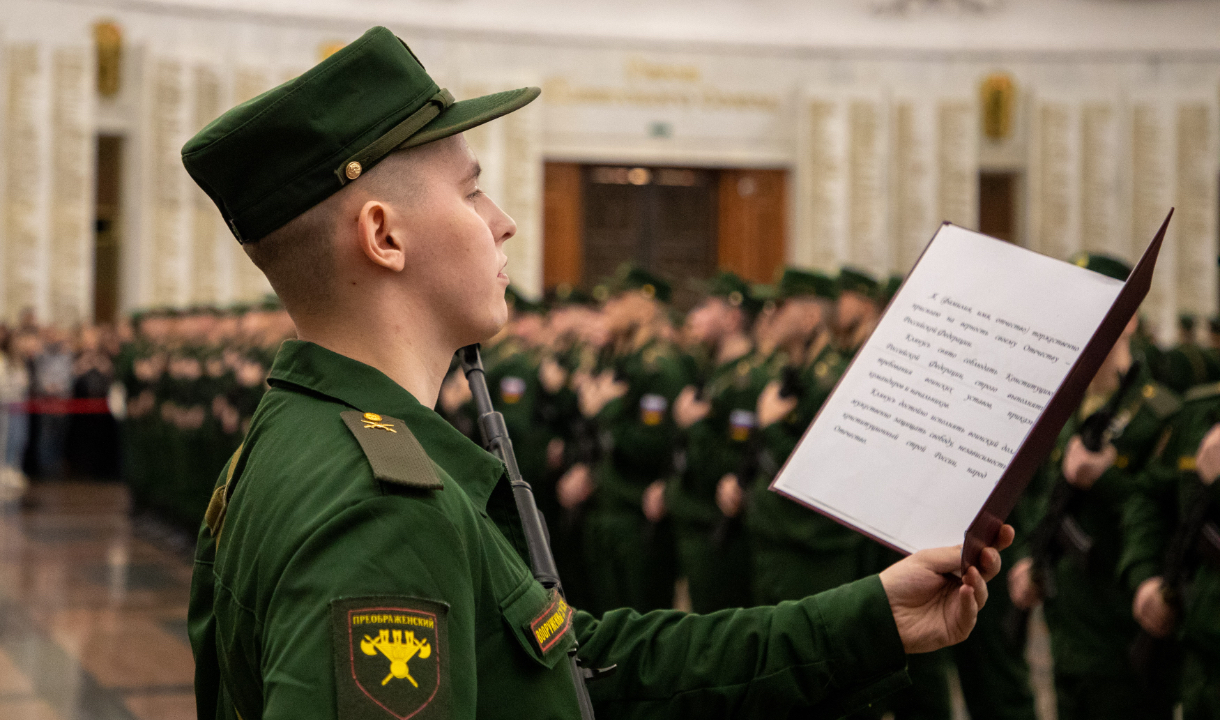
column 353, row 170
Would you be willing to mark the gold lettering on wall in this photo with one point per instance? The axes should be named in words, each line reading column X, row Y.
column 639, row 68
column 108, row 44
column 826, row 179
column 561, row 91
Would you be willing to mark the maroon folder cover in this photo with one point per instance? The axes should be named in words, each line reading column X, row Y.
column 1041, row 438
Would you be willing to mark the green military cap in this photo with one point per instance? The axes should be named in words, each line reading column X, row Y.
column 858, row 281
column 886, row 292
column 735, row 290
column 1186, row 321
column 565, row 294
column 795, row 282
column 520, row 303
column 630, row 277
column 270, row 159
column 1104, row 264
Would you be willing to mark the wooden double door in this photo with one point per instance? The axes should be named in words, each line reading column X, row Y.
column 681, row 223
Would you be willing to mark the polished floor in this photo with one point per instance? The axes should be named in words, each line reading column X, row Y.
column 93, row 612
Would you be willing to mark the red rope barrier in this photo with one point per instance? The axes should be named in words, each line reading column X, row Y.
column 63, row 406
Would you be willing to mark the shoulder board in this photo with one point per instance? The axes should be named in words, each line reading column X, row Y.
column 1160, row 399
column 393, row 452
column 1202, row 392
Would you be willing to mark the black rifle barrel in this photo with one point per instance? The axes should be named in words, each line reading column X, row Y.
column 497, row 442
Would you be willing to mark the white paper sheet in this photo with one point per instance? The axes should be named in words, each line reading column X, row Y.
column 921, row 427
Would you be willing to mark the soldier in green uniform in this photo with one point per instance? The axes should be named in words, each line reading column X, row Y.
column 363, row 559
column 1186, row 364
column 1177, row 513
column 798, row 552
column 856, row 309
column 1089, row 614
column 717, row 424
column 630, row 546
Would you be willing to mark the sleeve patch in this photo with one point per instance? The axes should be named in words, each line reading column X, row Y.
column 555, row 621
column 391, row 658
column 392, row 450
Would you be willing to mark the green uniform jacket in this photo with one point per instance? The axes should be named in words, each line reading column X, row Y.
column 1090, row 618
column 391, row 583
column 1151, row 517
column 777, row 518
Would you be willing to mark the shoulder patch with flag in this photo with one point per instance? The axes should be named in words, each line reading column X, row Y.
column 391, row 657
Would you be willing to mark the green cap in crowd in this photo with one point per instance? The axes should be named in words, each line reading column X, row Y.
column 270, row 159
column 735, row 290
column 519, row 303
column 1105, row 264
column 630, row 277
column 565, row 294
column 858, row 281
column 795, row 282
column 887, row 291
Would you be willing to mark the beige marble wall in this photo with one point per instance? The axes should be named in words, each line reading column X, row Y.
column 877, row 173
column 46, row 243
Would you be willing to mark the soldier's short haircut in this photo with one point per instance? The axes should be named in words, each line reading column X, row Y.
column 298, row 258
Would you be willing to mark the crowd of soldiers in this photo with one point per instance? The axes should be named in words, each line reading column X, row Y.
column 190, row 381
column 650, row 439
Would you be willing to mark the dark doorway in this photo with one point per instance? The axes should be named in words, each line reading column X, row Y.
column 998, row 204
column 106, row 229
column 663, row 219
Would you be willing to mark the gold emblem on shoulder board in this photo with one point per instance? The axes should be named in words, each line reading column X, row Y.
column 373, row 420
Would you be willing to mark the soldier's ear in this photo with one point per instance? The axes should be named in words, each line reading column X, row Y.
column 379, row 238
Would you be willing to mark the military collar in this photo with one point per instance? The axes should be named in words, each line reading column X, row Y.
column 301, row 365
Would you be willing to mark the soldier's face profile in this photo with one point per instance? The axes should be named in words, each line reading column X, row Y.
column 459, row 261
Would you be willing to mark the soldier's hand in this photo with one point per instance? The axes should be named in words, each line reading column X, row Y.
column 554, row 453
column 1021, row 586
column 729, row 495
column 575, row 486
column 771, row 407
column 654, row 501
column 932, row 608
column 1150, row 609
column 688, row 409
column 1081, row 468
column 1207, row 461
column 552, row 376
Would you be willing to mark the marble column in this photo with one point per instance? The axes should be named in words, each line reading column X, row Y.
column 1101, row 155
column 248, row 283
column 914, row 189
column 210, row 239
column 820, row 237
column 868, row 243
column 167, row 206
column 957, row 154
column 26, row 179
column 1054, row 179
column 1152, row 194
column 70, row 216
column 1195, row 216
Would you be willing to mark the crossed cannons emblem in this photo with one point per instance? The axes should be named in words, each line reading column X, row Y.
column 399, row 651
